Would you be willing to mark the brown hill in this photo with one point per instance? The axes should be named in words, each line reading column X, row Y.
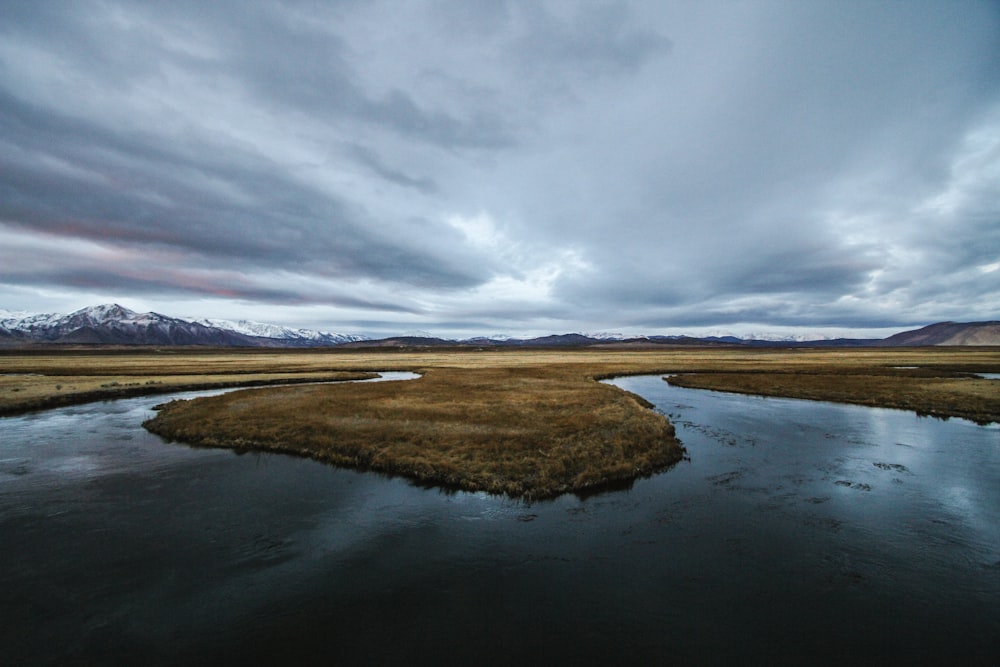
column 949, row 333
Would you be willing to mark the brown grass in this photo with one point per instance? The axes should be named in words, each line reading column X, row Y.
column 531, row 432
column 26, row 393
column 938, row 396
column 524, row 423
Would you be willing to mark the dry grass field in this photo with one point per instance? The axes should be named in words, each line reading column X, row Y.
column 39, row 380
column 529, row 423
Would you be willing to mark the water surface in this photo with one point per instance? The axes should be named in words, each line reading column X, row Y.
column 797, row 529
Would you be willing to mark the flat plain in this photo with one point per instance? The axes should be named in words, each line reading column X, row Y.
column 525, row 423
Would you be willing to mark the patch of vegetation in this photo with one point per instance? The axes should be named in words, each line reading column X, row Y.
column 930, row 393
column 525, row 432
column 44, row 391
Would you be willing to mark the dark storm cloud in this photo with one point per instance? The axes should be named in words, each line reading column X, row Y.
column 511, row 165
column 232, row 208
column 142, row 187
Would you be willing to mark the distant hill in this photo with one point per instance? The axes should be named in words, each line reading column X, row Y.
column 402, row 341
column 948, row 333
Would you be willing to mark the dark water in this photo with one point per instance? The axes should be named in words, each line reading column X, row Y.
column 796, row 531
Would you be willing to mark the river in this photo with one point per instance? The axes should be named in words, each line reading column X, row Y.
column 796, row 530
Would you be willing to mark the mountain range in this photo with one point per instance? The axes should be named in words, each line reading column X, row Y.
column 112, row 324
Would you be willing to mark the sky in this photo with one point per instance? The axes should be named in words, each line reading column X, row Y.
column 480, row 167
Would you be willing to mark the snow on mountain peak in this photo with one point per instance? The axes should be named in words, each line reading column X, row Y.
column 14, row 314
column 276, row 331
column 767, row 336
column 108, row 312
column 417, row 333
column 608, row 335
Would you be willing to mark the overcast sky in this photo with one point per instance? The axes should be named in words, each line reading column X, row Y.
column 505, row 167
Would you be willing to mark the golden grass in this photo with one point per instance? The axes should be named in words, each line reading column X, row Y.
column 521, row 431
column 39, row 382
column 527, row 423
column 971, row 398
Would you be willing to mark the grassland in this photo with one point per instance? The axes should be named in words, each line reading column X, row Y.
column 928, row 393
column 38, row 381
column 528, row 423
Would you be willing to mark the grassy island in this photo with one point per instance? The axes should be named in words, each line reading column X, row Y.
column 527, row 423
column 525, row 432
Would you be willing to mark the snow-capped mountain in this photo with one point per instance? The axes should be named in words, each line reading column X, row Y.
column 767, row 336
column 786, row 338
column 278, row 332
column 111, row 324
column 417, row 333
column 114, row 324
column 11, row 320
column 608, row 336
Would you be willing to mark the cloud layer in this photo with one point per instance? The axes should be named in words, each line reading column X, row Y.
column 516, row 167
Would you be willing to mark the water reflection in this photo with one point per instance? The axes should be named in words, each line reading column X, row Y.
column 795, row 530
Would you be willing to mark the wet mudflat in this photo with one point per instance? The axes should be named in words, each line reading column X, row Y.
column 797, row 529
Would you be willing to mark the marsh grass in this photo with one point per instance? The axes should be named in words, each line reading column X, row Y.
column 524, row 432
column 926, row 393
column 26, row 393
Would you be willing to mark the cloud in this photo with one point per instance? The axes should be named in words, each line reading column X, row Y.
column 514, row 165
